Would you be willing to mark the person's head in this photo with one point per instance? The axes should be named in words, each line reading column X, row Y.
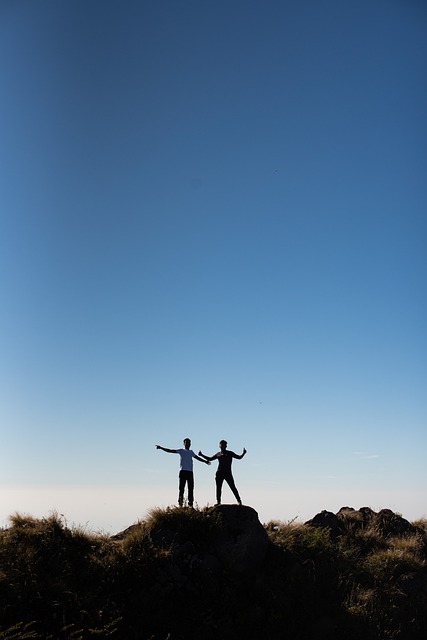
column 187, row 443
column 223, row 445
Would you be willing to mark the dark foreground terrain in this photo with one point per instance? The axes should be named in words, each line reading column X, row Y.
column 216, row 573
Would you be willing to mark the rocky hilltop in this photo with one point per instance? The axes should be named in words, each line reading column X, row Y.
column 218, row 572
column 240, row 543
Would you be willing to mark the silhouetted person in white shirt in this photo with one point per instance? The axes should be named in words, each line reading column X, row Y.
column 225, row 458
column 186, row 470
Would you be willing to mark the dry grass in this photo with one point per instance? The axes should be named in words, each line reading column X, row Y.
column 61, row 583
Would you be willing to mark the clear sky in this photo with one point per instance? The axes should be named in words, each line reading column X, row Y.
column 212, row 224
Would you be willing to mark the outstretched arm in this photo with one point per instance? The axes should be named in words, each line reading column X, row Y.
column 209, row 458
column 201, row 459
column 244, row 452
column 167, row 450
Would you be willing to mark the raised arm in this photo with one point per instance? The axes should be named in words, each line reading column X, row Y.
column 201, row 459
column 167, row 450
column 244, row 452
column 207, row 457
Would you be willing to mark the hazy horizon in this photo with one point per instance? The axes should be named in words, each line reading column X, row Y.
column 110, row 509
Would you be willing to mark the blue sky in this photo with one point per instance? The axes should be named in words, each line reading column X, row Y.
column 213, row 224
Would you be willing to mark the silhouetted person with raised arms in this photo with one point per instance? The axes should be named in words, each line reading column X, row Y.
column 225, row 458
column 185, row 470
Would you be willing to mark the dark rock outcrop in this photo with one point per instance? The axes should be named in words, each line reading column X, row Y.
column 237, row 541
column 242, row 541
column 389, row 523
column 385, row 522
column 326, row 520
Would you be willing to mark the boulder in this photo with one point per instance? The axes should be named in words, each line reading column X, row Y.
column 389, row 523
column 326, row 520
column 237, row 540
column 353, row 520
column 367, row 513
column 241, row 543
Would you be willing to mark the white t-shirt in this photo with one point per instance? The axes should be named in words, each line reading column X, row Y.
column 186, row 456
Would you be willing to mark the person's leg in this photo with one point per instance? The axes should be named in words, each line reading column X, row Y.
column 230, row 482
column 190, row 481
column 181, row 488
column 218, row 480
